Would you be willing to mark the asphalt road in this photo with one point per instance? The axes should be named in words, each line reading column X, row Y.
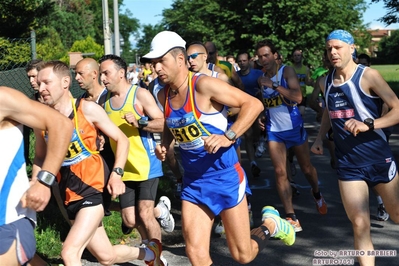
column 321, row 237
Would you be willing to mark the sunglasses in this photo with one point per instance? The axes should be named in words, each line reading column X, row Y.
column 193, row 56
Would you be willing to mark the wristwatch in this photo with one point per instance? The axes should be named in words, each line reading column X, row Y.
column 275, row 85
column 46, row 178
column 230, row 135
column 370, row 123
column 118, row 171
column 143, row 122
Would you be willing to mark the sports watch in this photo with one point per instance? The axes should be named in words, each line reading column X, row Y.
column 275, row 85
column 46, row 178
column 230, row 135
column 370, row 123
column 118, row 171
column 143, row 122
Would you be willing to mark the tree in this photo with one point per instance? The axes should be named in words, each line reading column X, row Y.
column 13, row 54
column 18, row 17
column 289, row 24
column 144, row 43
column 72, row 19
column 63, row 21
column 391, row 16
column 388, row 48
column 128, row 26
column 49, row 46
column 88, row 45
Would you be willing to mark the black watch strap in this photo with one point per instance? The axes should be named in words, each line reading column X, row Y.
column 370, row 123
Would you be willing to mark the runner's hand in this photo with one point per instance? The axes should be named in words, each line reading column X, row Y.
column 160, row 152
column 115, row 185
column 214, row 142
column 317, row 147
column 36, row 197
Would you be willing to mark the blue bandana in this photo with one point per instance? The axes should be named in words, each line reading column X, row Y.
column 341, row 35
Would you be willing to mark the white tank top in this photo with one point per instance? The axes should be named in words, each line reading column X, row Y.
column 13, row 178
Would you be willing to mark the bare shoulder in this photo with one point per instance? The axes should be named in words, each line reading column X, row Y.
column 144, row 96
column 371, row 73
column 142, row 92
column 289, row 70
column 373, row 81
column 204, row 81
column 218, row 69
column 90, row 108
column 223, row 76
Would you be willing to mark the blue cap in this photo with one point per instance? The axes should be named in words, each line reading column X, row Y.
column 341, row 35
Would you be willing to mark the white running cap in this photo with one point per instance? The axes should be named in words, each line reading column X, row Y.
column 163, row 42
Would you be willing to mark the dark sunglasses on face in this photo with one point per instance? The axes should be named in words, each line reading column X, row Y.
column 193, row 56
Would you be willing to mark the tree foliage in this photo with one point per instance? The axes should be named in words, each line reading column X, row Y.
column 389, row 48
column 60, row 23
column 18, row 17
column 13, row 53
column 88, row 45
column 127, row 26
column 49, row 46
column 289, row 24
column 144, row 43
column 392, row 15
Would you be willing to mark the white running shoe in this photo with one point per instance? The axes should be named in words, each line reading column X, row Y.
column 167, row 223
column 261, row 147
column 382, row 214
column 163, row 260
column 219, row 229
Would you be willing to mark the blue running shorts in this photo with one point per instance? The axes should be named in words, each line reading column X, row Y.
column 293, row 137
column 218, row 190
column 22, row 231
column 372, row 174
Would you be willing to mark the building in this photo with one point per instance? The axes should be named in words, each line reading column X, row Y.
column 376, row 36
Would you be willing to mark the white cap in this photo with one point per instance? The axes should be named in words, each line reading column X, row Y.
column 163, row 42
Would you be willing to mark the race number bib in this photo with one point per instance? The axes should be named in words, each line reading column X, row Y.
column 186, row 131
column 273, row 101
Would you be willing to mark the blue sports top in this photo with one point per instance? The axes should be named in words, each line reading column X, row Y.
column 348, row 100
column 281, row 113
column 188, row 124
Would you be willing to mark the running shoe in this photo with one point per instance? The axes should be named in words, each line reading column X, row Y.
column 178, row 189
column 293, row 168
column 155, row 246
column 295, row 191
column 297, row 226
column 382, row 214
column 284, row 229
column 255, row 170
column 261, row 147
column 126, row 230
column 163, row 260
column 219, row 228
column 251, row 220
column 167, row 223
column 321, row 204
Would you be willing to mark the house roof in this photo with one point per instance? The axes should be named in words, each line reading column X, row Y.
column 380, row 33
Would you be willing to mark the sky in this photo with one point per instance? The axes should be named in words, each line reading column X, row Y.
column 150, row 12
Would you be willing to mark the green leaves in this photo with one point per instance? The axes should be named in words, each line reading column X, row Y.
column 238, row 25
